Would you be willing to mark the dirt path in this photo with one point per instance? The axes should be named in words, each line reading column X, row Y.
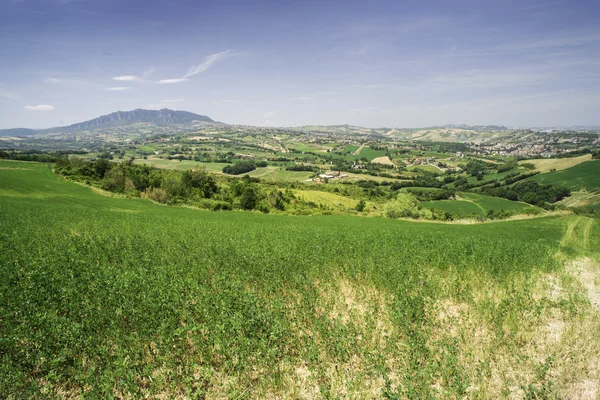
column 584, row 268
column 357, row 152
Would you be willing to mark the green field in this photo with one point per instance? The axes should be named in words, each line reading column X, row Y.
column 476, row 204
column 370, row 154
column 428, row 168
column 181, row 165
column 276, row 174
column 108, row 297
column 582, row 176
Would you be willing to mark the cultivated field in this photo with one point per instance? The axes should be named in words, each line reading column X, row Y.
column 106, row 297
column 558, row 164
column 583, row 176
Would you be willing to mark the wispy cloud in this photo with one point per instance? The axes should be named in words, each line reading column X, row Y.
column 301, row 98
column 207, row 63
column 126, row 78
column 134, row 78
column 118, row 88
column 199, row 68
column 51, row 80
column 6, row 94
column 172, row 80
column 40, row 107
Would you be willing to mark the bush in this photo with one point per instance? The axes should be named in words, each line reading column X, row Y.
column 239, row 168
column 403, row 206
column 157, row 194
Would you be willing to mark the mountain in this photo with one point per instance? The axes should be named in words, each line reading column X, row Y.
column 17, row 132
column 122, row 118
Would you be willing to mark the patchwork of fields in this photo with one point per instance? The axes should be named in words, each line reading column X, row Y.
column 112, row 297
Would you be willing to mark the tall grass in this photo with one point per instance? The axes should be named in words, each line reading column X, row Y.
column 118, row 297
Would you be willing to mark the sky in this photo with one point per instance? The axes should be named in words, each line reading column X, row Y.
column 287, row 63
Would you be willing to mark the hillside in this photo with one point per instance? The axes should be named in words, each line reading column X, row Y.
column 17, row 132
column 124, row 298
column 123, row 118
column 583, row 176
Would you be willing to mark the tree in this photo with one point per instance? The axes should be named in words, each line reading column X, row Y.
column 114, row 180
column 403, row 206
column 248, row 199
column 360, row 207
column 101, row 166
column 199, row 179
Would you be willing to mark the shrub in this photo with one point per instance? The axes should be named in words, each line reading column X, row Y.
column 403, row 206
column 157, row 194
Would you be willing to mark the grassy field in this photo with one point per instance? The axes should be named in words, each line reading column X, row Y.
column 548, row 164
column 471, row 203
column 428, row 168
column 370, row 154
column 583, row 176
column 328, row 199
column 275, row 174
column 106, row 297
column 181, row 165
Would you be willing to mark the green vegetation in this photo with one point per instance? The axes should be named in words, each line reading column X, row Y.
column 476, row 205
column 585, row 175
column 112, row 297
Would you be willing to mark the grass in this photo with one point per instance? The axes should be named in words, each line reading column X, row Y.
column 370, row 154
column 476, row 204
column 583, row 176
column 548, row 164
column 275, row 174
column 328, row 199
column 181, row 165
column 104, row 297
column 456, row 207
column 427, row 168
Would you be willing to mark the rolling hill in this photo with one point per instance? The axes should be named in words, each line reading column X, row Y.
column 17, row 132
column 122, row 118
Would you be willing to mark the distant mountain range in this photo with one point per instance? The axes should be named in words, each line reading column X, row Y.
column 162, row 117
column 162, row 120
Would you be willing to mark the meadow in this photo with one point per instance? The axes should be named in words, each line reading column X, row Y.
column 476, row 204
column 583, row 176
column 108, row 297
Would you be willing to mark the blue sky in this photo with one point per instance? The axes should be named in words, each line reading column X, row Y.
column 283, row 63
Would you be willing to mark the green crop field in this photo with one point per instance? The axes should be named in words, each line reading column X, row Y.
column 582, row 176
column 181, row 165
column 370, row 154
column 108, row 297
column 457, row 207
column 477, row 204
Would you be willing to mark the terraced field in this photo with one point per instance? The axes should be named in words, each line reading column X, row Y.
column 106, row 297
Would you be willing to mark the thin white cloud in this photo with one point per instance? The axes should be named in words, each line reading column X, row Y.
column 207, row 63
column 51, row 80
column 7, row 94
column 40, row 107
column 301, row 98
column 134, row 78
column 118, row 88
column 126, row 78
column 173, row 80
